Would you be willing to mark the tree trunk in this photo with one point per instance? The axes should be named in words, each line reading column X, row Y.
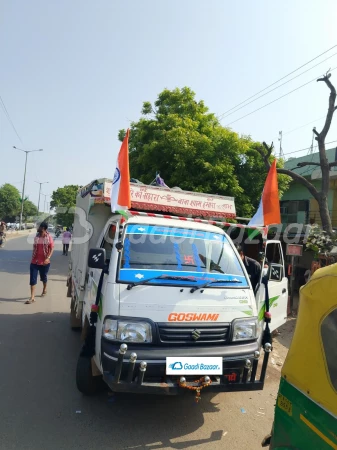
column 324, row 213
column 320, row 196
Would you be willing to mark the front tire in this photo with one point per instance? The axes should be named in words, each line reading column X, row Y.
column 85, row 381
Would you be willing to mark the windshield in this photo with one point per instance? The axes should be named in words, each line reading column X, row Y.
column 193, row 255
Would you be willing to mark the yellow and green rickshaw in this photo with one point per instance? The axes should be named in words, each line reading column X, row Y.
column 306, row 407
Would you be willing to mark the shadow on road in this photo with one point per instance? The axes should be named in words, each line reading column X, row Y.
column 41, row 407
column 286, row 333
column 21, row 299
column 18, row 261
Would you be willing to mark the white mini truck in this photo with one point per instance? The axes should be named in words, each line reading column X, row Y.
column 164, row 300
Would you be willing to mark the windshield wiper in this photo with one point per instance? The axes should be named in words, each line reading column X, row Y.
column 162, row 277
column 195, row 288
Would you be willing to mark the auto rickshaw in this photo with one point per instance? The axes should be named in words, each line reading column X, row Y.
column 306, row 407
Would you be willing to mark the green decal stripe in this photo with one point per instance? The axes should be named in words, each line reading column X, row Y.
column 308, row 426
column 318, row 432
column 100, row 306
column 249, row 313
column 263, row 309
column 252, row 233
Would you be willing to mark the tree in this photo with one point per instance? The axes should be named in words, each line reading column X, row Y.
column 63, row 199
column 181, row 139
column 29, row 209
column 320, row 196
column 9, row 202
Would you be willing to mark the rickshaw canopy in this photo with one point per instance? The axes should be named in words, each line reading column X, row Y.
column 311, row 363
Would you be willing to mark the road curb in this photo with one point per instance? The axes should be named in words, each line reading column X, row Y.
column 16, row 234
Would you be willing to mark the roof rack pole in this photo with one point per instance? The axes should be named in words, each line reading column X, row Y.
column 191, row 219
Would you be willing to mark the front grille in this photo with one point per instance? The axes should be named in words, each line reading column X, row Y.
column 193, row 334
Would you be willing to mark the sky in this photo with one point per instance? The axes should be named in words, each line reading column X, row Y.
column 75, row 72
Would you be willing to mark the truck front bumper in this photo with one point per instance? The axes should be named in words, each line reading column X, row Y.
column 143, row 370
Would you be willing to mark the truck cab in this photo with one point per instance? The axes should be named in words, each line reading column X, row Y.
column 164, row 294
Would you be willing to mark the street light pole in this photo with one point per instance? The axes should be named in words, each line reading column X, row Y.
column 43, row 182
column 24, row 178
column 45, row 201
column 23, row 192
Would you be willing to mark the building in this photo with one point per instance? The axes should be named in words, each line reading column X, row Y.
column 297, row 204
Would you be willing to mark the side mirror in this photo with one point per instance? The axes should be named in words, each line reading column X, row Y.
column 275, row 272
column 96, row 258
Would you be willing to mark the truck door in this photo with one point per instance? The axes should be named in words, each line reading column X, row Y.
column 277, row 285
column 106, row 242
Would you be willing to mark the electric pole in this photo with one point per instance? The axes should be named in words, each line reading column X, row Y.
column 281, row 155
column 38, row 205
column 45, row 201
column 24, row 179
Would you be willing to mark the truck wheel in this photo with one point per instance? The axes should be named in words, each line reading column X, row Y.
column 75, row 323
column 85, row 381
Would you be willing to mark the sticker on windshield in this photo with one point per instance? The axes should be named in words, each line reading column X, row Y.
column 188, row 259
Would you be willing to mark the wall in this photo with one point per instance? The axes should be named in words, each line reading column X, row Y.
column 333, row 213
column 298, row 192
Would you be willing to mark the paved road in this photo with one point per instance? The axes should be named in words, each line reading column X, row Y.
column 40, row 407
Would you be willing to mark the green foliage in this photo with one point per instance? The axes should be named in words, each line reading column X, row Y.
column 319, row 241
column 63, row 200
column 186, row 144
column 147, row 108
column 10, row 203
column 121, row 135
column 29, row 209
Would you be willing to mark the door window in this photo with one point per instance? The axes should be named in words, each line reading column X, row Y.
column 329, row 335
column 108, row 240
column 273, row 255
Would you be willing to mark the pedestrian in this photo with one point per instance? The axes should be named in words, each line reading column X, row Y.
column 66, row 238
column 253, row 267
column 2, row 232
column 43, row 248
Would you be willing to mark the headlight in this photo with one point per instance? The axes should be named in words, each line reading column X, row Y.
column 244, row 329
column 109, row 329
column 126, row 331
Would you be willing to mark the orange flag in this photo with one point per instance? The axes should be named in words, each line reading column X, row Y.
column 120, row 190
column 268, row 212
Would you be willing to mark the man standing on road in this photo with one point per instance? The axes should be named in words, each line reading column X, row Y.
column 42, row 251
column 253, row 267
column 3, row 227
column 66, row 241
